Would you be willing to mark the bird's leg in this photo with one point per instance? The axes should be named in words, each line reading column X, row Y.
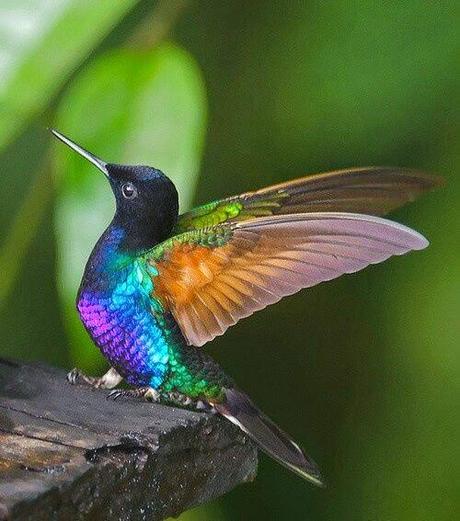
column 147, row 393
column 108, row 381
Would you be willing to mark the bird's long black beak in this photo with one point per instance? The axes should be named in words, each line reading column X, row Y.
column 98, row 163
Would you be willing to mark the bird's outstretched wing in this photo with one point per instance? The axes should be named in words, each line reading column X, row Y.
column 212, row 277
column 369, row 190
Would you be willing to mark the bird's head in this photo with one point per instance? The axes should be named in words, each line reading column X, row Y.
column 146, row 200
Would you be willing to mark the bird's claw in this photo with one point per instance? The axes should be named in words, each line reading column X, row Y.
column 77, row 377
column 147, row 393
column 107, row 381
column 114, row 395
column 73, row 376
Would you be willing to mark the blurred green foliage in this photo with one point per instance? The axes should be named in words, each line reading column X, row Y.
column 42, row 42
column 363, row 371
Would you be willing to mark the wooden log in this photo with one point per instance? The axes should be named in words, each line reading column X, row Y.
column 66, row 452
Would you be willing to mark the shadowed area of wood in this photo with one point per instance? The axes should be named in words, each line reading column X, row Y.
column 66, row 452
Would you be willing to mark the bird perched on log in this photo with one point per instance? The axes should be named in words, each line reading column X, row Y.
column 159, row 285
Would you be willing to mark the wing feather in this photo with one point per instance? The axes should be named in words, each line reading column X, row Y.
column 368, row 190
column 209, row 286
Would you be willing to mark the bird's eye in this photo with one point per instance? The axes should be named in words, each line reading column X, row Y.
column 129, row 191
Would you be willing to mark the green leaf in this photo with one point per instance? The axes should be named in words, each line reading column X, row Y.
column 127, row 107
column 42, row 42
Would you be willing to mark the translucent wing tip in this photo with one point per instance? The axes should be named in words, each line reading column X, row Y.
column 383, row 229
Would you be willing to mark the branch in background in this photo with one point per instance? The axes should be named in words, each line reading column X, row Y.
column 69, row 453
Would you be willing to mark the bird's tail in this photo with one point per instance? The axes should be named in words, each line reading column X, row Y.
column 240, row 410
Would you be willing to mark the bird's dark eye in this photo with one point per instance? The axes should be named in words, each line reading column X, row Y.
column 129, row 191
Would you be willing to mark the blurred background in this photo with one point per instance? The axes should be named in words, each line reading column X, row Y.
column 232, row 96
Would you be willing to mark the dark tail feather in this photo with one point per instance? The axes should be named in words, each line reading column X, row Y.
column 239, row 409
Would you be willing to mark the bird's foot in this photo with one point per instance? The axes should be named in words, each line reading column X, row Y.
column 108, row 381
column 152, row 395
column 182, row 400
column 147, row 393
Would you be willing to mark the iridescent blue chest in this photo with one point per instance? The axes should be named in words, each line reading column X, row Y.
column 128, row 326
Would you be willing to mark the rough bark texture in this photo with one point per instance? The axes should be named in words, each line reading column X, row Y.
column 66, row 452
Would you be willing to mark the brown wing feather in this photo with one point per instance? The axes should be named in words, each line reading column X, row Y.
column 370, row 190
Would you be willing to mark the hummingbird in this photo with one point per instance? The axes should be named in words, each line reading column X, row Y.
column 159, row 285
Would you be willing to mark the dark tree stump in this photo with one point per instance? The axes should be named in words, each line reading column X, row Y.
column 66, row 452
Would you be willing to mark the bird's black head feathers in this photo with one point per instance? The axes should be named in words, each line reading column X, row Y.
column 147, row 201
column 146, row 204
